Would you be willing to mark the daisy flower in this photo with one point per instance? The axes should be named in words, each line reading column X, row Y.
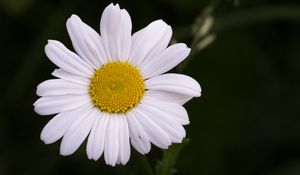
column 113, row 90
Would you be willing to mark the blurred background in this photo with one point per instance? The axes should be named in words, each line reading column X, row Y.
column 246, row 56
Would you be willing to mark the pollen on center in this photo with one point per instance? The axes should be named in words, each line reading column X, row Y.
column 117, row 87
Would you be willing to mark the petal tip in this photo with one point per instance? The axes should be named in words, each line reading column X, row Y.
column 72, row 21
column 73, row 17
column 47, row 142
column 112, row 6
column 51, row 41
column 64, row 152
column 162, row 22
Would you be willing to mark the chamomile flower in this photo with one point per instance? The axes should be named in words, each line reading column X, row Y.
column 113, row 90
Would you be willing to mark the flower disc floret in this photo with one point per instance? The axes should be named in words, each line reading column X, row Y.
column 117, row 87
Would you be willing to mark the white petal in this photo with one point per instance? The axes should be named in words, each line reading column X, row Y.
column 174, row 110
column 111, row 150
column 178, row 83
column 164, row 62
column 86, row 42
column 96, row 141
column 157, row 136
column 54, row 104
column 58, row 125
column 124, row 146
column 164, row 120
column 59, row 73
column 139, row 145
column 169, row 96
column 138, row 137
column 146, row 40
column 60, row 87
column 77, row 132
column 55, row 128
column 91, row 140
column 125, row 36
column 157, row 50
column 67, row 60
column 115, row 27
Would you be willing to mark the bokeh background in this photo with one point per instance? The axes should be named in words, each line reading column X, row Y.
column 246, row 122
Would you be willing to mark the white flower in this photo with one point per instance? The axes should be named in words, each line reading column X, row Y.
column 113, row 91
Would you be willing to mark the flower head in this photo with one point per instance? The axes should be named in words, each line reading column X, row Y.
column 113, row 90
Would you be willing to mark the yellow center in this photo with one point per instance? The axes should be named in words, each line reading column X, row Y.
column 117, row 87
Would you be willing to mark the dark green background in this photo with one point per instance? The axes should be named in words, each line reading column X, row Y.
column 246, row 122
